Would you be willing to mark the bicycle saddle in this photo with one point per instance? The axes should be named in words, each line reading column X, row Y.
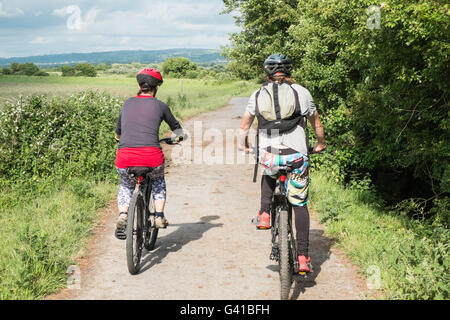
column 139, row 171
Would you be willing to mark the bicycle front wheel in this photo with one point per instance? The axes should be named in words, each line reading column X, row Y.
column 135, row 236
column 285, row 256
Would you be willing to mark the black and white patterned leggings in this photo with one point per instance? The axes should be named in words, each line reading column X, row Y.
column 128, row 183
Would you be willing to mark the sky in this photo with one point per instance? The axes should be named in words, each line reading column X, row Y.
column 38, row 27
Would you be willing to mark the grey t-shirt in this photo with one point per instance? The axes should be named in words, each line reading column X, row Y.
column 139, row 121
column 296, row 138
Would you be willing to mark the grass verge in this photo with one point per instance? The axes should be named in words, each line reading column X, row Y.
column 404, row 258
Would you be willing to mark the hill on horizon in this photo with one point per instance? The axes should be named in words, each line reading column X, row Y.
column 121, row 56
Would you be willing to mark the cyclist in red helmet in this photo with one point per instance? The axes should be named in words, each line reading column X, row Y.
column 137, row 131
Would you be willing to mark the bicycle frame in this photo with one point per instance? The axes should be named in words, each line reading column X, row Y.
column 145, row 190
column 279, row 203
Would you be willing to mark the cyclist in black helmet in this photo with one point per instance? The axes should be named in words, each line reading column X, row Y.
column 282, row 107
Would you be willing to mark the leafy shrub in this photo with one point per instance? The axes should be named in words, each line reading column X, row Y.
column 86, row 70
column 28, row 69
column 178, row 67
column 68, row 71
column 6, row 71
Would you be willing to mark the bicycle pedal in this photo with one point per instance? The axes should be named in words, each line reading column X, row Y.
column 120, row 234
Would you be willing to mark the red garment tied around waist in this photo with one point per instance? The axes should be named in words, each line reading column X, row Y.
column 139, row 157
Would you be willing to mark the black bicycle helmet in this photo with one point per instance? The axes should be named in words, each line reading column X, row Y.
column 277, row 65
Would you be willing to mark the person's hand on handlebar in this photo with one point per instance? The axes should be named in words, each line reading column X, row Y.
column 175, row 140
column 246, row 149
column 180, row 137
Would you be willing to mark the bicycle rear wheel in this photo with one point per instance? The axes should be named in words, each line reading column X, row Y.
column 135, row 236
column 285, row 256
column 152, row 233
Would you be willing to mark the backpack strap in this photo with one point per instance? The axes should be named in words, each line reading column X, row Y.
column 298, row 109
column 276, row 101
column 256, row 102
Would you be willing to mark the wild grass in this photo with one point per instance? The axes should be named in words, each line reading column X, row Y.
column 207, row 91
column 411, row 256
column 42, row 236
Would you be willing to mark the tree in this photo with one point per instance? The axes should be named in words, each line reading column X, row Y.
column 178, row 67
column 85, row 69
column 102, row 66
column 29, row 68
column 68, row 71
column 15, row 67
column 265, row 25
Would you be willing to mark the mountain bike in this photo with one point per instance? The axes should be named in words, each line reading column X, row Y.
column 140, row 230
column 284, row 244
column 284, row 248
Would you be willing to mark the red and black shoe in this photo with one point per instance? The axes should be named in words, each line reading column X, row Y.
column 304, row 265
column 263, row 221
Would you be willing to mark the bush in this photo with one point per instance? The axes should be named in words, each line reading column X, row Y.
column 28, row 69
column 178, row 67
column 102, row 67
column 6, row 71
column 192, row 74
column 85, row 69
column 43, row 136
column 68, row 71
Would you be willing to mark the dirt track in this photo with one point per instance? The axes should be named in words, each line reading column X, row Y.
column 210, row 250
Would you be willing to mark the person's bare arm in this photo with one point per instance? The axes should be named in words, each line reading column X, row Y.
column 246, row 123
column 318, row 130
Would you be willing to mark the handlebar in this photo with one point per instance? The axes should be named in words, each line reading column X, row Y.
column 173, row 141
column 170, row 141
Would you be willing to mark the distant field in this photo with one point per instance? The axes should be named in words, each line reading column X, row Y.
column 11, row 87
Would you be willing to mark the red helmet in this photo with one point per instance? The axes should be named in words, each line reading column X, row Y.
column 150, row 76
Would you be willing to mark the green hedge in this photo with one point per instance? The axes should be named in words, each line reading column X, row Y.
column 65, row 137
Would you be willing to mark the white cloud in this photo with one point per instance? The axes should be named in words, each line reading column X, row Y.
column 15, row 12
column 41, row 40
column 78, row 26
column 75, row 21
